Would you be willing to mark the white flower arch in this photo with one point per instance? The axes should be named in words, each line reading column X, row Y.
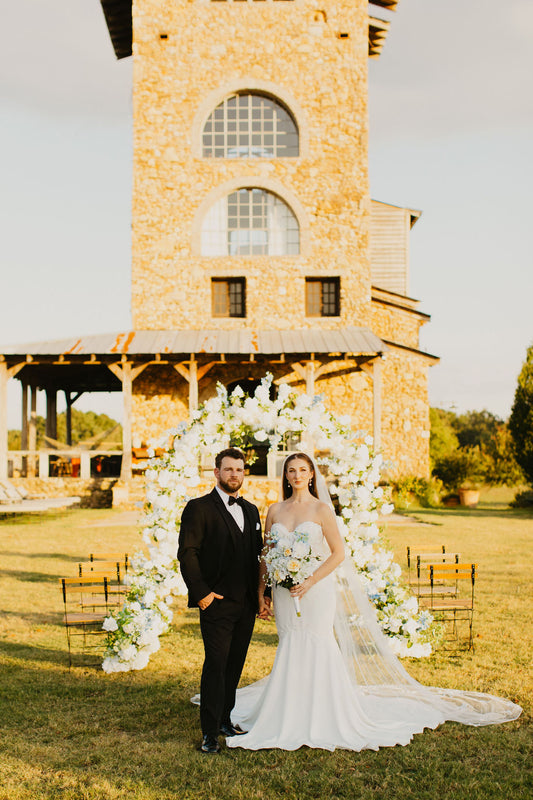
column 133, row 633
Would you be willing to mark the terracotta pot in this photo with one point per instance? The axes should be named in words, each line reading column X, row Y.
column 469, row 497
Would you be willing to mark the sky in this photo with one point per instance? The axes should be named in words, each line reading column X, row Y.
column 451, row 125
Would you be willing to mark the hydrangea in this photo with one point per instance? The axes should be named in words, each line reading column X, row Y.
column 354, row 471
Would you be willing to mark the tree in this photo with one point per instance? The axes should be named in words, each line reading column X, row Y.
column 521, row 419
column 85, row 425
column 443, row 439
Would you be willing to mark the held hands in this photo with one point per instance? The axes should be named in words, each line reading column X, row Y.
column 206, row 601
column 265, row 608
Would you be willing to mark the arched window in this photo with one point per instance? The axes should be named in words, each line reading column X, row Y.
column 249, row 126
column 250, row 222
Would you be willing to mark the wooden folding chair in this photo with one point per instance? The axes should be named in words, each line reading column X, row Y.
column 452, row 609
column 423, row 587
column 412, row 553
column 123, row 558
column 112, row 570
column 86, row 605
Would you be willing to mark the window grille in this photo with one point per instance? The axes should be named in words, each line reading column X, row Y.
column 228, row 297
column 250, row 222
column 322, row 297
column 250, row 126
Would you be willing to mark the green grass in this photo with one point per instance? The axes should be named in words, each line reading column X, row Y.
column 82, row 735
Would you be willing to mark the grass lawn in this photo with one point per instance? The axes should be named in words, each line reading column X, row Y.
column 82, row 735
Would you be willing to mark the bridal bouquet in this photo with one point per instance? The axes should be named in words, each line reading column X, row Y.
column 289, row 560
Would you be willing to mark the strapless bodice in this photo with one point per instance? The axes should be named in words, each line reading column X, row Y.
column 313, row 531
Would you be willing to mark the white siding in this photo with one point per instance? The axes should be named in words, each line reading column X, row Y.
column 389, row 247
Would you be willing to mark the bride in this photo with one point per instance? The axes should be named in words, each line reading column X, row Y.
column 335, row 682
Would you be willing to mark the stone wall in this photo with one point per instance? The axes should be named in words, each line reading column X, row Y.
column 290, row 51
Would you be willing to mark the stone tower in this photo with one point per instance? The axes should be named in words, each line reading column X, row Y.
column 253, row 228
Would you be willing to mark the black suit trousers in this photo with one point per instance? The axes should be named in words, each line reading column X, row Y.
column 227, row 628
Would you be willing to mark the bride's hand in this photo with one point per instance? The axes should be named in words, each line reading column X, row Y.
column 301, row 588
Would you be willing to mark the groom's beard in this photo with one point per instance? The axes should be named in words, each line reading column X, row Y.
column 231, row 487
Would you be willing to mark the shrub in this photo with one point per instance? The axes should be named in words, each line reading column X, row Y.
column 523, row 499
column 414, row 489
column 463, row 467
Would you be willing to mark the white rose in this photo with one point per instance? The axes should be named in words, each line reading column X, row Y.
column 110, row 624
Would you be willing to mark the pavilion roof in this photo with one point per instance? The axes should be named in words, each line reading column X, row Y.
column 242, row 341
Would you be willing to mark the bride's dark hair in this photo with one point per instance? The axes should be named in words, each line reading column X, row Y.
column 287, row 488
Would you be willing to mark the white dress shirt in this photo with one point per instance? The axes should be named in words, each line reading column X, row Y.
column 234, row 509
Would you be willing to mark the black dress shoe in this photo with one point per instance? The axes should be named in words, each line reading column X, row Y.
column 210, row 744
column 228, row 729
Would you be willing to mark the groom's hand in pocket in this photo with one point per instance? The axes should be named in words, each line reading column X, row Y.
column 206, row 601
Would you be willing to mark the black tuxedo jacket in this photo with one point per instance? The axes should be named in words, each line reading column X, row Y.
column 207, row 546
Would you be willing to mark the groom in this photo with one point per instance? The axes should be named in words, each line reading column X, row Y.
column 219, row 547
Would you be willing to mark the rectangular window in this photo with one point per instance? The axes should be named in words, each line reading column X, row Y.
column 322, row 297
column 228, row 297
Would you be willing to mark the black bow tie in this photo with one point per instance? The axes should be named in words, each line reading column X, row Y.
column 233, row 500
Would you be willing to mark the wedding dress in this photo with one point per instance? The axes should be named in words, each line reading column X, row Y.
column 335, row 682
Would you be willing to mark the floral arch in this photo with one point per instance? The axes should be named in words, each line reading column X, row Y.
column 352, row 471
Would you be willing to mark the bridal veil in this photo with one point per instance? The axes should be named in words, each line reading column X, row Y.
column 375, row 670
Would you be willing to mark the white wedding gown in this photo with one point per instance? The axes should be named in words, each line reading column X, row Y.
column 311, row 699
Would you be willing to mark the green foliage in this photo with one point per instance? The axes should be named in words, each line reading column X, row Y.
column 14, row 436
column 85, row 425
column 463, row 467
column 486, row 440
column 443, row 439
column 523, row 499
column 521, row 419
column 412, row 489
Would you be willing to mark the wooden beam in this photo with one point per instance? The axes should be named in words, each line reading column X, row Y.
column 193, row 375
column 299, row 369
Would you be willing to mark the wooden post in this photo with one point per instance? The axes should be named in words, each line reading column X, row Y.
column 193, row 385
column 4, row 376
column 32, row 431
column 85, row 465
column 193, row 375
column 310, row 378
column 51, row 413
column 126, row 373
column 44, row 464
column 68, row 417
column 373, row 370
column 24, row 427
column 125, row 471
column 376, row 406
